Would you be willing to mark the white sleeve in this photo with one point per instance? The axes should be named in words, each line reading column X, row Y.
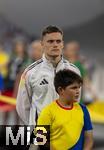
column 24, row 99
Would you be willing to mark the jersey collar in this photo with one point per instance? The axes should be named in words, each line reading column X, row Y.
column 63, row 107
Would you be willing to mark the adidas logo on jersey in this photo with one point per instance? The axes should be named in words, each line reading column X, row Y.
column 44, row 81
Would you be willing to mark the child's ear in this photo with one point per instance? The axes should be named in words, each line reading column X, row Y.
column 60, row 89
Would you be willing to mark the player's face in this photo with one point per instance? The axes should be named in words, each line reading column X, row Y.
column 71, row 92
column 53, row 44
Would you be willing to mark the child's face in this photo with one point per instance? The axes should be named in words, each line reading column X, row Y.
column 71, row 92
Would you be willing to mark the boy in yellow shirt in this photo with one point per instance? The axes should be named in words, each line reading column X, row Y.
column 70, row 124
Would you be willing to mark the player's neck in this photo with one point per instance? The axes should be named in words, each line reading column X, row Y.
column 65, row 103
column 54, row 60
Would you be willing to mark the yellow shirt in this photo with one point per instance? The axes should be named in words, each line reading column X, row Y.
column 65, row 124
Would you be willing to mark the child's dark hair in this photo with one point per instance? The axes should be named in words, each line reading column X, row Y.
column 51, row 29
column 65, row 78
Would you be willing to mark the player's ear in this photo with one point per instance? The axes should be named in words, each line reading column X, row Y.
column 41, row 42
column 62, row 44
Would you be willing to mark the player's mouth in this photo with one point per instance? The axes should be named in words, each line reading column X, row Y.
column 55, row 50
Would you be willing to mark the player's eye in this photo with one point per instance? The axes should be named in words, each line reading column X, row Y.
column 75, row 87
column 50, row 41
column 58, row 41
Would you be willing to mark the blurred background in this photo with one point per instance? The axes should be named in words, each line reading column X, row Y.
column 82, row 21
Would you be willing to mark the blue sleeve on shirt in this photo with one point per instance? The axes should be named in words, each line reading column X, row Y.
column 87, row 119
column 87, row 126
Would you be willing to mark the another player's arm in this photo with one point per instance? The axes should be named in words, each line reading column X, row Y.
column 88, row 140
column 23, row 101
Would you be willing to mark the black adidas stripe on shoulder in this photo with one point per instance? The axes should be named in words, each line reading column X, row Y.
column 34, row 64
column 65, row 61
column 73, row 65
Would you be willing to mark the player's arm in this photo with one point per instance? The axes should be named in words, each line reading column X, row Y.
column 23, row 99
column 88, row 130
column 88, row 140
